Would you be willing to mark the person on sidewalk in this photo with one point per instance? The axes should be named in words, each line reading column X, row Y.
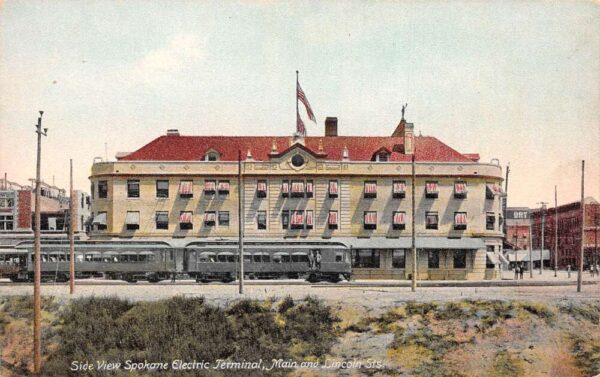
column 521, row 270
column 516, row 271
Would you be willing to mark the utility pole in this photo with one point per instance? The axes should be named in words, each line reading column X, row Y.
column 505, row 199
column 71, row 232
column 543, row 213
column 413, row 233
column 580, row 269
column 37, row 302
column 530, row 248
column 241, row 221
column 555, row 231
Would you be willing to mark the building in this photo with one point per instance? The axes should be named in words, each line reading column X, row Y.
column 17, row 206
column 518, row 227
column 347, row 189
column 569, row 233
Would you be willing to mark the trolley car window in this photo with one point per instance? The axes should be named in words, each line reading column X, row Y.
column 247, row 258
column 110, row 257
column 207, row 256
column 256, row 258
column 225, row 257
column 339, row 256
column 79, row 257
column 300, row 258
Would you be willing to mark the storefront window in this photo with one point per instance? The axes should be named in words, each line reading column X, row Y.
column 365, row 258
column 399, row 258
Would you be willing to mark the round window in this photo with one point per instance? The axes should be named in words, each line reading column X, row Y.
column 298, row 160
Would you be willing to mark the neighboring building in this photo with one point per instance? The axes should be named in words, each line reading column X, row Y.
column 353, row 190
column 569, row 233
column 518, row 227
column 17, row 206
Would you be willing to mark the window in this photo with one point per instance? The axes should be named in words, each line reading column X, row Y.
column 133, row 188
column 185, row 220
column 223, row 218
column 309, row 220
column 398, row 258
column 102, row 189
column 211, row 156
column 460, row 190
column 132, row 220
column 431, row 220
column 460, row 220
column 370, row 220
column 332, row 220
column 431, row 190
column 186, row 189
column 370, row 189
column 399, row 189
column 365, row 258
column 399, row 220
column 223, row 188
column 162, row 189
column 7, row 202
column 297, row 189
column 6, row 222
column 285, row 219
column 460, row 259
column 210, row 218
column 210, row 187
column 333, row 189
column 92, row 190
column 382, row 157
column 297, row 220
column 490, row 221
column 285, row 189
column 433, row 260
column 100, row 221
column 261, row 189
column 309, row 188
column 261, row 219
column 162, row 220
column 491, row 190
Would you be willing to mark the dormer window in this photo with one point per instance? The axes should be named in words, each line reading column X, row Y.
column 382, row 157
column 211, row 155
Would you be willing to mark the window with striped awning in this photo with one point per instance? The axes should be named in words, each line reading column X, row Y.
column 210, row 218
column 370, row 189
column 460, row 190
column 309, row 219
column 431, row 189
column 431, row 220
column 297, row 189
column 261, row 189
column 297, row 220
column 185, row 220
column 185, row 189
column 370, row 220
column 333, row 189
column 399, row 189
column 460, row 220
column 491, row 190
column 309, row 188
column 332, row 219
column 285, row 189
column 399, row 220
column 223, row 187
column 210, row 187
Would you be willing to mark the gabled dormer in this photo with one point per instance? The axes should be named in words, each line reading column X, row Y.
column 212, row 155
column 382, row 155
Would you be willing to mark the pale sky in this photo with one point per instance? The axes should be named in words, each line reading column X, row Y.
column 517, row 81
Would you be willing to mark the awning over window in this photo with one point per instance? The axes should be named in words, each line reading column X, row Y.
column 399, row 218
column 210, row 217
column 185, row 218
column 224, row 186
column 371, row 218
column 309, row 218
column 309, row 186
column 494, row 189
column 297, row 187
column 185, row 187
column 210, row 186
column 100, row 218
column 285, row 187
column 132, row 218
column 333, row 187
column 370, row 188
column 333, row 218
column 431, row 187
column 432, row 218
column 261, row 186
column 399, row 187
column 297, row 218
column 162, row 217
column 460, row 188
column 460, row 218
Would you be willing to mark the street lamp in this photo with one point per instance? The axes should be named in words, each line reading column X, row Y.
column 543, row 210
column 37, row 303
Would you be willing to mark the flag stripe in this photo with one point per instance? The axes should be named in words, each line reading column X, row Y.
column 302, row 97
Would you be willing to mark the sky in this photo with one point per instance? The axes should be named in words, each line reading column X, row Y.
column 516, row 81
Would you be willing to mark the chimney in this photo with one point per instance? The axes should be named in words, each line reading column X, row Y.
column 331, row 126
column 406, row 131
column 173, row 132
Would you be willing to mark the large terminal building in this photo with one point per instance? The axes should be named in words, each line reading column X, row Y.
column 349, row 190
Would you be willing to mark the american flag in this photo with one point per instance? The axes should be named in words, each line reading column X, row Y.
column 300, row 125
column 304, row 100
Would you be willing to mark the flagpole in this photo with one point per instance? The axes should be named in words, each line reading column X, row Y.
column 297, row 113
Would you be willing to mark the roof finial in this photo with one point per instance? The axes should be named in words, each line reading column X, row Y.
column 404, row 109
column 249, row 155
column 345, row 153
column 274, row 147
column 320, row 145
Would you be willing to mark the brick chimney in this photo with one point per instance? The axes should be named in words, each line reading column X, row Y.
column 331, row 126
column 172, row 132
column 406, row 131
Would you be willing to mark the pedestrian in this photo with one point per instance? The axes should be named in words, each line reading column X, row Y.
column 516, row 271
column 318, row 259
column 172, row 277
column 521, row 270
column 311, row 260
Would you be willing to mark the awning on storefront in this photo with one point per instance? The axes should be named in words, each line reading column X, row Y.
column 100, row 218
column 492, row 257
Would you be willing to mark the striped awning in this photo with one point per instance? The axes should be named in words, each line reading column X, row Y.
column 333, row 187
column 432, row 218
column 210, row 186
column 224, row 186
column 371, row 218
column 297, row 218
column 185, row 217
column 399, row 218
column 210, row 217
column 261, row 186
column 431, row 187
column 399, row 187
column 460, row 218
column 370, row 187
column 309, row 186
column 333, row 218
column 309, row 218
column 285, row 187
column 460, row 188
column 185, row 187
column 297, row 187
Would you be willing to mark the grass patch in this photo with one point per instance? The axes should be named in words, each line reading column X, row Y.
column 420, row 308
column 539, row 310
column 506, row 365
column 588, row 312
column 587, row 355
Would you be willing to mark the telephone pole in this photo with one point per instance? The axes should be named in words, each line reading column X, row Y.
column 580, row 269
column 555, row 231
column 413, row 233
column 543, row 213
column 241, row 222
column 37, row 302
column 71, row 232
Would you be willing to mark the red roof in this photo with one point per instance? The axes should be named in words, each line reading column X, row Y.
column 360, row 148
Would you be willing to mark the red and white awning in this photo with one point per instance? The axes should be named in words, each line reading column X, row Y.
column 210, row 217
column 297, row 218
column 285, row 187
column 297, row 187
column 261, row 186
column 432, row 219
column 370, row 188
column 333, row 187
column 185, row 217
column 223, row 186
column 309, row 187
column 460, row 218
column 431, row 187
column 494, row 188
column 399, row 187
column 309, row 218
column 333, row 218
column 371, row 218
column 185, row 187
column 399, row 218
column 460, row 188
column 210, row 185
